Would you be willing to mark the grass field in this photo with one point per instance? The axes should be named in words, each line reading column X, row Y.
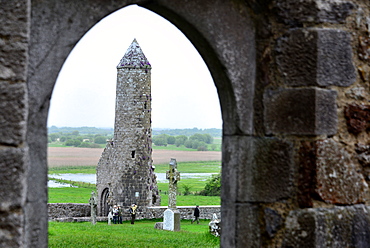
column 142, row 234
column 188, row 167
column 82, row 195
column 80, row 160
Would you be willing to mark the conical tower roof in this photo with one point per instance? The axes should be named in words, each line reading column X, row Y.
column 134, row 58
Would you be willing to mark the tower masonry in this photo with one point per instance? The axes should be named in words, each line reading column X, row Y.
column 125, row 172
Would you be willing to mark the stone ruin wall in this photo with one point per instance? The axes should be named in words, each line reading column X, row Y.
column 314, row 103
column 80, row 212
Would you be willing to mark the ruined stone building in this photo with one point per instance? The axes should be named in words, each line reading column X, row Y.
column 293, row 81
column 125, row 173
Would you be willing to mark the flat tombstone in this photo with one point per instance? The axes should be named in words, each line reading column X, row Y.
column 171, row 220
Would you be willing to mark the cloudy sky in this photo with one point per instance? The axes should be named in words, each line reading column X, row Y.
column 184, row 95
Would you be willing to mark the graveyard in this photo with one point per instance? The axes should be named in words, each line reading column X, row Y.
column 142, row 234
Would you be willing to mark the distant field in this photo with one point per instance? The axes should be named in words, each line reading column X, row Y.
column 71, row 156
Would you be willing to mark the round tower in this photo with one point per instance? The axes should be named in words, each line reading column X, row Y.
column 125, row 172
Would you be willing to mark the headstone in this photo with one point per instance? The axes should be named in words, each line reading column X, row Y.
column 171, row 217
column 171, row 220
column 93, row 204
column 110, row 217
column 215, row 226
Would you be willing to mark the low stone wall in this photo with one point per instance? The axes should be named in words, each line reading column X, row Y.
column 77, row 212
column 68, row 210
column 186, row 212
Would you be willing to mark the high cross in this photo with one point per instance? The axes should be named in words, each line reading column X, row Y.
column 173, row 176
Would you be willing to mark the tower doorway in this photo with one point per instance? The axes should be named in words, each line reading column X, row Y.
column 104, row 202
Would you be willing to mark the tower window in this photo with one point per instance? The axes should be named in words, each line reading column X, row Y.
column 133, row 154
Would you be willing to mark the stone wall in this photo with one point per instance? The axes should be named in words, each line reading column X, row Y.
column 14, row 45
column 66, row 211
column 186, row 213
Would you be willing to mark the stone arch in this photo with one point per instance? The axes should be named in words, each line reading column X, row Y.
column 104, row 202
column 273, row 171
column 229, row 54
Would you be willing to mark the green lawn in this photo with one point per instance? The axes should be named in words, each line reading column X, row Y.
column 188, row 167
column 216, row 146
column 82, row 193
column 85, row 169
column 193, row 167
column 192, row 200
column 69, row 195
column 142, row 234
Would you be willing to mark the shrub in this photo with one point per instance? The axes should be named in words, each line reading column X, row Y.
column 186, row 189
column 213, row 186
column 202, row 146
column 73, row 142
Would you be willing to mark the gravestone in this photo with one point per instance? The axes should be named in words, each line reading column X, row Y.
column 110, row 217
column 215, row 226
column 93, row 204
column 171, row 217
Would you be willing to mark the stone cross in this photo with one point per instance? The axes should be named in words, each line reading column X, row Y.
column 93, row 204
column 173, row 176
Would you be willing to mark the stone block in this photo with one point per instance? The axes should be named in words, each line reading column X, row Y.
column 13, row 113
column 12, row 178
column 310, row 111
column 328, row 172
column 337, row 175
column 316, row 57
column 357, row 117
column 241, row 220
column 273, row 221
column 11, row 231
column 328, row 227
column 13, row 40
column 261, row 167
column 296, row 12
column 158, row 225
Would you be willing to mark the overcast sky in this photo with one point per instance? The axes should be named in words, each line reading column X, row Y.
column 184, row 95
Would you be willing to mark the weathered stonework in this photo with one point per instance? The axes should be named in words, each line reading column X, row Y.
column 329, row 227
column 327, row 172
column 296, row 12
column 309, row 111
column 125, row 174
column 65, row 210
column 316, row 57
column 358, row 117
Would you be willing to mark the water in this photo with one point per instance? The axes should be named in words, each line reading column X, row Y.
column 91, row 178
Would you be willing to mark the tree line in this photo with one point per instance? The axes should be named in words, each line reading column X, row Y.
column 93, row 137
column 76, row 139
column 214, row 132
column 196, row 141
